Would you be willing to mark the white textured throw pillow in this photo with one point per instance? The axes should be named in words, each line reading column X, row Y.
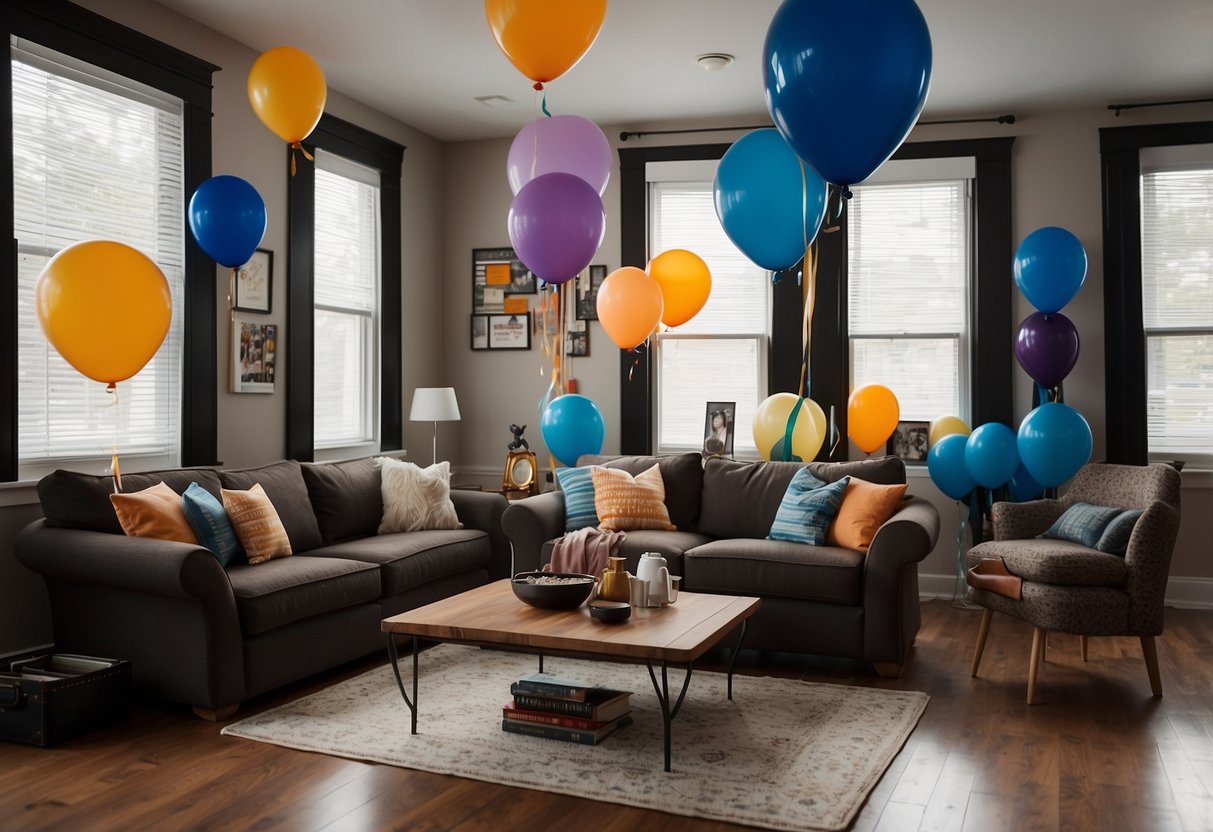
column 416, row 498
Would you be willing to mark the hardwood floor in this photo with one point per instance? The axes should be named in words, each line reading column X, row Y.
column 1096, row 753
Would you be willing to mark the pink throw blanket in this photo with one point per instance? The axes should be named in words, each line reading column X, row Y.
column 584, row 551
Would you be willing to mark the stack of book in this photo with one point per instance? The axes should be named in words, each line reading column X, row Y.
column 562, row 709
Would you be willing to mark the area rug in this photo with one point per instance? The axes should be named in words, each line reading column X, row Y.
column 784, row 754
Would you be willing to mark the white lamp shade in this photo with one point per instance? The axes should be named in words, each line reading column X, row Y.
column 434, row 404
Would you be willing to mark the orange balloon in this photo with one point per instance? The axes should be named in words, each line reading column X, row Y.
column 685, row 284
column 872, row 414
column 105, row 307
column 545, row 38
column 629, row 306
column 287, row 90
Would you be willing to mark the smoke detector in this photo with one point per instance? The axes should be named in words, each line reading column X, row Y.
column 714, row 61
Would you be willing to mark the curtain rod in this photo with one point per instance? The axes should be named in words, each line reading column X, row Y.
column 627, row 134
column 1118, row 107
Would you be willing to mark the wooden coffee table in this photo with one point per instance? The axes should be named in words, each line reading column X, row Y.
column 491, row 616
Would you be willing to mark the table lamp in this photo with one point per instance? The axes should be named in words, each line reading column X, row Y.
column 434, row 404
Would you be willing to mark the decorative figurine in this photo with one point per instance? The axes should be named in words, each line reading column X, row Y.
column 518, row 442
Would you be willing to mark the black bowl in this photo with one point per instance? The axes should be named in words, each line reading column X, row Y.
column 610, row 612
column 568, row 596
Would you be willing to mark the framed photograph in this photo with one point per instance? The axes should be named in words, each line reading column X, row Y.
column 480, row 332
column 587, row 292
column 254, row 356
column 497, row 272
column 718, row 428
column 577, row 339
column 510, row 332
column 909, row 441
column 254, row 287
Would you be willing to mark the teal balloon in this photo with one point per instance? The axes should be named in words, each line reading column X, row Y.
column 946, row 465
column 990, row 454
column 770, row 204
column 1054, row 442
column 571, row 426
column 1022, row 486
column 1050, row 267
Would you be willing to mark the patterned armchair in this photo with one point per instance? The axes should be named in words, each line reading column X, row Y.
column 1070, row 588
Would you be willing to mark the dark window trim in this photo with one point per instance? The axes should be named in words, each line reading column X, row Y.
column 1124, row 329
column 68, row 28
column 367, row 148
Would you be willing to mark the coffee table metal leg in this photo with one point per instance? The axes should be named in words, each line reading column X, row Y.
column 663, row 698
column 412, row 703
column 733, row 657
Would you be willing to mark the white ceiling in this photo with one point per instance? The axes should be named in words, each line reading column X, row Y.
column 425, row 61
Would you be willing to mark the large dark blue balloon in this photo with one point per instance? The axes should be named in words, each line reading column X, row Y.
column 1022, row 486
column 1050, row 267
column 769, row 202
column 946, row 465
column 571, row 426
column 845, row 80
column 1054, row 442
column 227, row 218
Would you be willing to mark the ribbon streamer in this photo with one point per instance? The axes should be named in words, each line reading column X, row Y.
column 112, row 389
column 299, row 147
column 808, row 288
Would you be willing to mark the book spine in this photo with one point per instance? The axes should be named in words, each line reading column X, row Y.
column 529, row 702
column 554, row 719
column 553, row 691
column 549, row 732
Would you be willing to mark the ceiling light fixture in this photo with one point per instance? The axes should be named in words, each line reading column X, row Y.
column 714, row 61
column 494, row 102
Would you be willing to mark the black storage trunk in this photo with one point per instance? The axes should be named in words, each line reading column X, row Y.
column 50, row 698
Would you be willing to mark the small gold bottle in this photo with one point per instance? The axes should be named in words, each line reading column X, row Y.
column 615, row 585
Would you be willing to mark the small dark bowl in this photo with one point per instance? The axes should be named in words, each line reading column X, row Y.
column 610, row 612
column 553, row 596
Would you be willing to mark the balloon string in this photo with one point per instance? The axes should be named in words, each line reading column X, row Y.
column 112, row 389
column 963, row 512
column 835, row 435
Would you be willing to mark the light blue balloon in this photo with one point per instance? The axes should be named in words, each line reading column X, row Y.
column 1054, row 442
column 946, row 465
column 571, row 426
column 1050, row 267
column 990, row 454
column 1022, row 486
column 769, row 202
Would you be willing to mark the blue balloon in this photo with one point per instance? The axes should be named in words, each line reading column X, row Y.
column 571, row 426
column 1050, row 267
column 769, row 202
column 946, row 464
column 990, row 454
column 845, row 80
column 1054, row 442
column 227, row 218
column 1022, row 486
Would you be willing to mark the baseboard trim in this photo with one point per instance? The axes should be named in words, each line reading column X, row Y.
column 1182, row 593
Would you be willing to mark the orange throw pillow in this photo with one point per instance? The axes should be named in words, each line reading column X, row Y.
column 624, row 503
column 257, row 524
column 153, row 512
column 865, row 508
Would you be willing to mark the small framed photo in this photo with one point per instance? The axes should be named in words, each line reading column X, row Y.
column 909, row 441
column 588, row 283
column 254, row 356
column 577, row 339
column 510, row 332
column 254, row 284
column 497, row 272
column 718, row 429
column 480, row 332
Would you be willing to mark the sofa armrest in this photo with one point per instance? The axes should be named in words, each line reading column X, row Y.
column 482, row 510
column 529, row 524
column 890, row 586
column 1020, row 521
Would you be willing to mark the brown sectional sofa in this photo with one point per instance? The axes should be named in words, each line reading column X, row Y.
column 212, row 638
column 823, row 600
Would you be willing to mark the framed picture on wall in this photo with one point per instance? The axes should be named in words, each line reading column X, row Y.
column 909, row 441
column 254, row 284
column 577, row 339
column 480, row 332
column 588, row 283
column 254, row 355
column 497, row 272
column 510, row 332
column 718, row 428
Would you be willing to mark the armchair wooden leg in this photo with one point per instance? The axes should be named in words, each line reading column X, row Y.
column 1082, row 647
column 983, row 630
column 889, row 670
column 215, row 714
column 1038, row 648
column 1151, row 655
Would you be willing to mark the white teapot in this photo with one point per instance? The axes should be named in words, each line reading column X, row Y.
column 655, row 572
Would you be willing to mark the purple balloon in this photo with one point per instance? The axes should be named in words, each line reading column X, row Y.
column 556, row 224
column 1047, row 347
column 561, row 144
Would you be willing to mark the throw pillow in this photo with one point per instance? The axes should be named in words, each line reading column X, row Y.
column 209, row 522
column 865, row 507
column 257, row 524
column 153, row 512
column 807, row 508
column 627, row 503
column 415, row 498
column 578, row 487
column 1082, row 523
column 1115, row 538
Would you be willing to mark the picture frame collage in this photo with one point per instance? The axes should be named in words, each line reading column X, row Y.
column 254, row 341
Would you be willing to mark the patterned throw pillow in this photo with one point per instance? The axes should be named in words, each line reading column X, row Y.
column 209, row 521
column 578, row 487
column 414, row 498
column 807, row 508
column 627, row 503
column 153, row 512
column 1082, row 523
column 257, row 524
column 865, row 507
column 1115, row 538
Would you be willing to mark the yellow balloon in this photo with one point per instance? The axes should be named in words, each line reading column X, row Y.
column 771, row 425
column 287, row 90
column 545, row 38
column 105, row 307
column 629, row 306
column 946, row 426
column 685, row 283
column 872, row 414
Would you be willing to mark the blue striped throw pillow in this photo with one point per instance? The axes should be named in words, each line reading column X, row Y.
column 209, row 521
column 1082, row 523
column 1115, row 538
column 807, row 508
column 578, row 487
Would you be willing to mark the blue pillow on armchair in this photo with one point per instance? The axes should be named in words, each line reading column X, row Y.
column 1082, row 523
column 807, row 508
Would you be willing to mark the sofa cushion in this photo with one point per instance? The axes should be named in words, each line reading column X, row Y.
column 807, row 508
column 865, row 508
column 775, row 569
column 884, row 470
column 210, row 522
column 1058, row 562
column 257, row 524
column 681, row 473
column 345, row 498
column 283, row 484
column 623, row 502
column 71, row 500
column 410, row 559
column 279, row 592
column 154, row 512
